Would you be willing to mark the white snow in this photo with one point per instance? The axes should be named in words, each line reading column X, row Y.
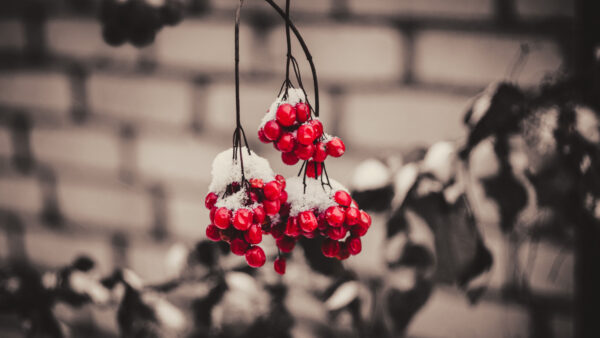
column 295, row 96
column 440, row 161
column 235, row 201
column 404, row 180
column 370, row 174
column 316, row 196
column 225, row 170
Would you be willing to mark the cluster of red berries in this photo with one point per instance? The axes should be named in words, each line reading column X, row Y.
column 137, row 21
column 298, row 136
column 242, row 227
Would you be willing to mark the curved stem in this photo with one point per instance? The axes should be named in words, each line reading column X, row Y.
column 304, row 48
column 289, row 47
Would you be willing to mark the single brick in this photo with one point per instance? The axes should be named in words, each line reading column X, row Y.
column 12, row 34
column 183, row 159
column 188, row 217
column 105, row 207
column 141, row 98
column 539, row 9
column 5, row 143
column 82, row 38
column 77, row 146
column 255, row 100
column 203, row 45
column 453, row 9
column 477, row 59
column 343, row 52
column 36, row 90
column 53, row 249
column 402, row 118
column 20, row 194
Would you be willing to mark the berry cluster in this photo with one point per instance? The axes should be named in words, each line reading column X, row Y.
column 240, row 211
column 296, row 134
column 137, row 21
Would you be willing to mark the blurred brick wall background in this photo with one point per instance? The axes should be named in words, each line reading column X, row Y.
column 107, row 150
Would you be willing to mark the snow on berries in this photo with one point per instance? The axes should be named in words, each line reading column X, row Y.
column 242, row 206
column 293, row 131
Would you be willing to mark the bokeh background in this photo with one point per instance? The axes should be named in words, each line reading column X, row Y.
column 107, row 151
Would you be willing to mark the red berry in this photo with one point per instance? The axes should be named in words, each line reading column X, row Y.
column 271, row 207
column 364, row 220
column 354, row 204
column 272, row 130
column 279, row 265
column 318, row 127
column 255, row 257
column 308, row 221
column 256, row 183
column 254, row 234
column 286, row 143
column 320, row 152
column 281, row 181
column 222, row 218
column 286, row 114
column 286, row 244
column 277, row 232
column 343, row 198
column 292, row 228
column 358, row 230
column 354, row 245
column 238, row 246
column 302, row 112
column 283, row 197
column 314, row 169
column 212, row 232
column 337, row 233
column 344, row 252
column 259, row 215
column 289, row 158
column 305, row 152
column 262, row 137
column 272, row 190
column 210, row 200
column 335, row 216
column 330, row 248
column 335, row 147
column 352, row 215
column 306, row 134
column 242, row 219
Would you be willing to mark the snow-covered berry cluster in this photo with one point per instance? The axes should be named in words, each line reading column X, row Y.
column 292, row 129
column 239, row 211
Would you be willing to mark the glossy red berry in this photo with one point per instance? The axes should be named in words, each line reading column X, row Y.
column 354, row 245
column 212, row 232
column 344, row 253
column 318, row 127
column 283, row 197
column 353, row 204
column 292, row 228
column 337, row 233
column 254, row 197
column 358, row 230
column 259, row 215
column 272, row 190
column 304, row 152
column 320, row 153
column 314, row 169
column 281, row 180
column 256, row 183
column 289, row 158
column 335, row 216
column 262, row 137
column 286, row 244
column 302, row 112
column 286, row 143
column 222, row 218
column 277, row 232
column 365, row 219
column 254, row 234
column 336, row 147
column 352, row 216
column 242, row 219
column 210, row 200
column 343, row 198
column 255, row 257
column 308, row 221
column 272, row 130
column 279, row 265
column 306, row 134
column 238, row 246
column 286, row 114
column 272, row 207
column 330, row 248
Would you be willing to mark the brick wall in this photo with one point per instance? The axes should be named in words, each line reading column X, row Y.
column 95, row 141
